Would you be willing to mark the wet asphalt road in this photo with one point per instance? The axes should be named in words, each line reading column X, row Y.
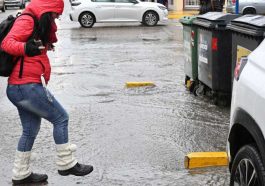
column 134, row 137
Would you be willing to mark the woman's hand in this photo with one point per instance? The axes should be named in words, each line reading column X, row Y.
column 32, row 49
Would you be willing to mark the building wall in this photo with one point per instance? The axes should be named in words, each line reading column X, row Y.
column 178, row 5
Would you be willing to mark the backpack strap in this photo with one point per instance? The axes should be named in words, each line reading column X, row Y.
column 34, row 33
column 21, row 67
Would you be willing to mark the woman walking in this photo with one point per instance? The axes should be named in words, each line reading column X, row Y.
column 27, row 91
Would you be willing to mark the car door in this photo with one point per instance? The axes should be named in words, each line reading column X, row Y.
column 125, row 10
column 104, row 10
column 259, row 5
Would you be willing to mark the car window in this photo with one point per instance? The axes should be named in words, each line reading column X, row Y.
column 123, row 1
column 104, row 1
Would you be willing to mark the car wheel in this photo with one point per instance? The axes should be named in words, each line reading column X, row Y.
column 247, row 168
column 249, row 11
column 150, row 18
column 87, row 19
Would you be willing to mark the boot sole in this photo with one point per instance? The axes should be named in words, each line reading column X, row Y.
column 33, row 183
column 67, row 173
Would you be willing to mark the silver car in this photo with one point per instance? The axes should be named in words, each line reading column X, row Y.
column 247, row 6
column 2, row 6
column 15, row 3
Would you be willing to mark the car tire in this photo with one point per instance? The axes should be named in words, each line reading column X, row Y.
column 87, row 19
column 249, row 11
column 150, row 18
column 4, row 8
column 247, row 165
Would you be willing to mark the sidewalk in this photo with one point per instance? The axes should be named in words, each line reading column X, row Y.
column 179, row 14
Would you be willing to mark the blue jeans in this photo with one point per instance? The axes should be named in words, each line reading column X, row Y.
column 33, row 104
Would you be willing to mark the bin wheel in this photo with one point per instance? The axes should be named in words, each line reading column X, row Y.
column 192, row 86
column 195, row 89
column 215, row 98
column 220, row 99
column 186, row 79
column 200, row 90
column 224, row 100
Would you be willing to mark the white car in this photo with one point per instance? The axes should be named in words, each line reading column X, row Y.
column 88, row 12
column 246, row 143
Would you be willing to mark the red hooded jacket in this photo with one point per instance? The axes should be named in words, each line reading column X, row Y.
column 14, row 42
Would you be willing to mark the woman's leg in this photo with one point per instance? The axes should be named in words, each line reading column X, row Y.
column 66, row 162
column 46, row 106
column 32, row 98
column 31, row 126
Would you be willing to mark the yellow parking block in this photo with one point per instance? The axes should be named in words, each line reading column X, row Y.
column 139, row 84
column 205, row 159
column 180, row 14
column 188, row 84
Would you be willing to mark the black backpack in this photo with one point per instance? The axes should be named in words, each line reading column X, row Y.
column 8, row 61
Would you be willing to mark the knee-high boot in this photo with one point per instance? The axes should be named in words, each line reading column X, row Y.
column 67, row 163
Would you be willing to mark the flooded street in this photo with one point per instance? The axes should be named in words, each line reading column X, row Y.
column 132, row 137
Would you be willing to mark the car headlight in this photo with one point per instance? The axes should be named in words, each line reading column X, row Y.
column 162, row 7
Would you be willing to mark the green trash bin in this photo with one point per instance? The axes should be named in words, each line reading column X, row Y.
column 190, row 52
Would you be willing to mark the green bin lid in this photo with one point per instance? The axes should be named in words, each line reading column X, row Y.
column 187, row 20
column 214, row 19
